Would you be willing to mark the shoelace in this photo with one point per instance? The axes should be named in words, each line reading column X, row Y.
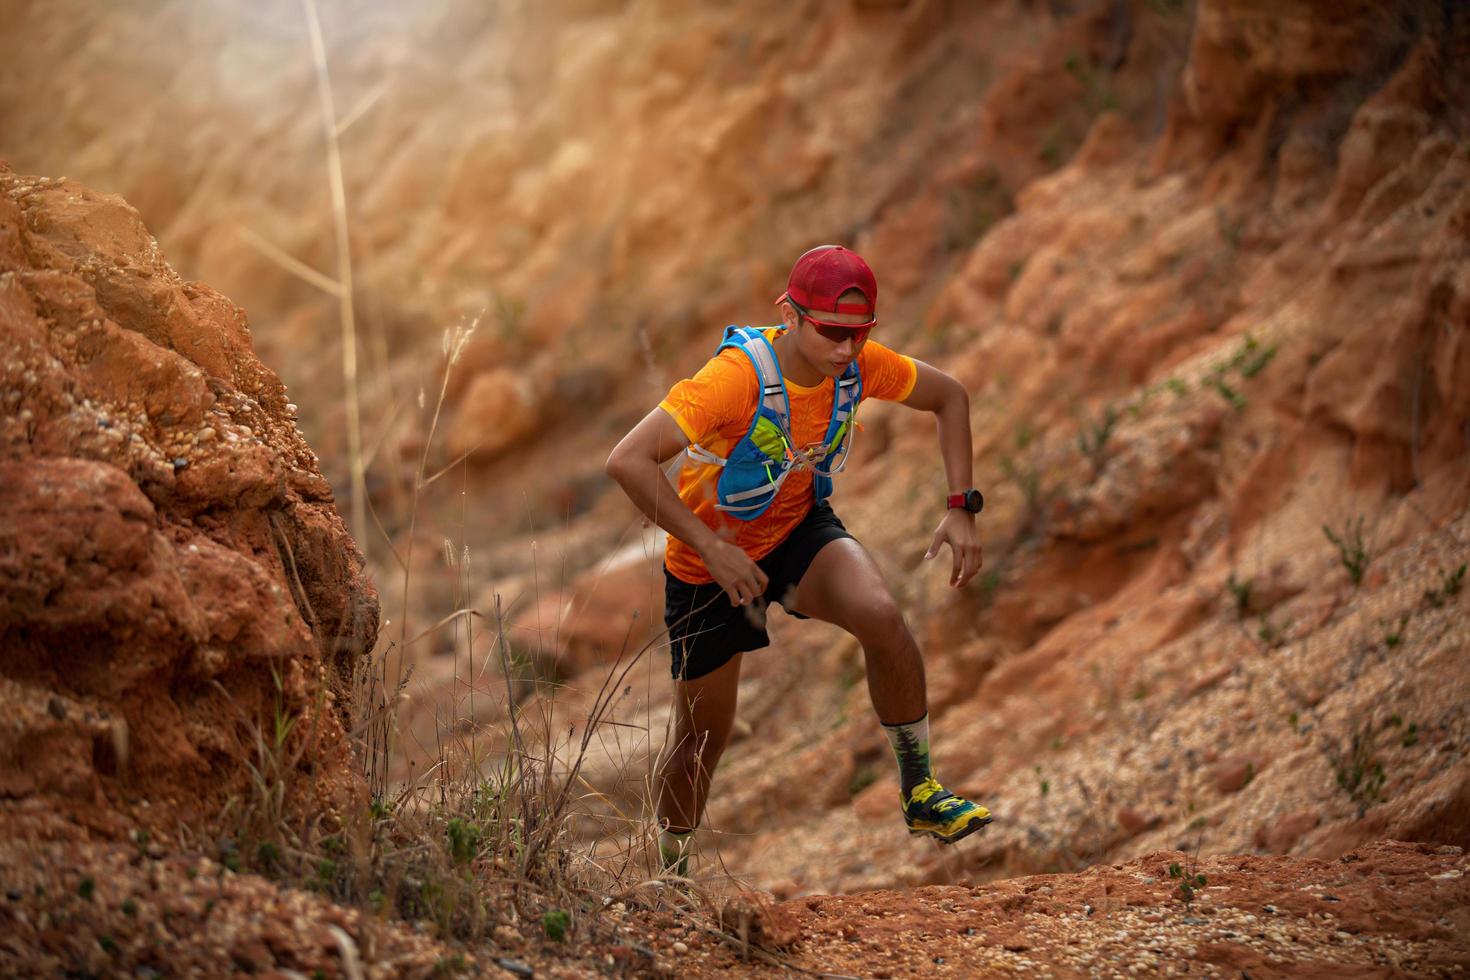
column 939, row 799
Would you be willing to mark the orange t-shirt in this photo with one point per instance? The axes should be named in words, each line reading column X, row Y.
column 714, row 409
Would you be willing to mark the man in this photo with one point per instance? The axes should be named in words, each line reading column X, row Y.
column 749, row 525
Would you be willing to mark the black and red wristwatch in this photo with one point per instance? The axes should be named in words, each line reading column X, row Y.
column 971, row 500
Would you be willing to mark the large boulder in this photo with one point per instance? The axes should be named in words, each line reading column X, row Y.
column 174, row 577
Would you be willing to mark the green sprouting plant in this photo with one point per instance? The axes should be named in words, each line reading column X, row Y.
column 1358, row 772
column 1218, row 384
column 86, row 888
column 1188, row 881
column 1409, row 737
column 555, row 924
column 1453, row 581
column 1351, row 550
column 1294, row 720
column 1187, row 877
column 229, row 855
column 1241, row 591
column 1043, row 784
column 1395, row 634
column 448, row 966
column 1249, row 358
column 1178, row 386
column 1269, row 632
column 464, row 840
column 1449, row 586
column 326, row 875
column 1092, row 441
column 1259, row 359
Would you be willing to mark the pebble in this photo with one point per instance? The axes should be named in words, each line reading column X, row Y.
column 681, row 947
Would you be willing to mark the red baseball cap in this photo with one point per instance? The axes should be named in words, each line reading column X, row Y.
column 823, row 274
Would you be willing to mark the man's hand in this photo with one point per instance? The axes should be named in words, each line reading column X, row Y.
column 958, row 529
column 733, row 570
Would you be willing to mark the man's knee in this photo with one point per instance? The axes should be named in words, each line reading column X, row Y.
column 880, row 623
column 695, row 750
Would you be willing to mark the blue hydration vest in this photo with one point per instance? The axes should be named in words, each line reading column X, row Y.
column 755, row 469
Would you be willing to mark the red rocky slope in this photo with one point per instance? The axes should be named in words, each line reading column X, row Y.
column 172, row 568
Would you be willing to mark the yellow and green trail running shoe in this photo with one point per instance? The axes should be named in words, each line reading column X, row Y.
column 931, row 809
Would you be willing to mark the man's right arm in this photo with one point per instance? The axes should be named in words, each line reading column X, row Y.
column 636, row 463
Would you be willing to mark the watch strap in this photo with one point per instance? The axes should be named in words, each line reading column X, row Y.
column 970, row 501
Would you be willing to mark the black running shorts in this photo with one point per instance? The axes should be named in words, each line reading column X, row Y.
column 705, row 631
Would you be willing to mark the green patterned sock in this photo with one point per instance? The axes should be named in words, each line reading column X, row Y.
column 674, row 850
column 911, row 745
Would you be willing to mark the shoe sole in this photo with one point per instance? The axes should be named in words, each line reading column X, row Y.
column 966, row 831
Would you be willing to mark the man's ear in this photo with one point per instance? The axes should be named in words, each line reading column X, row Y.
column 789, row 317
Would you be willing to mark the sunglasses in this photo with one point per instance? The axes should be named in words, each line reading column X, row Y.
column 835, row 332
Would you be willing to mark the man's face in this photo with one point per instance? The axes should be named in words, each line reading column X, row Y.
column 828, row 345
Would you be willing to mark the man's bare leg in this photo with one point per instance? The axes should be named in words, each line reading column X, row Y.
column 843, row 586
column 704, row 710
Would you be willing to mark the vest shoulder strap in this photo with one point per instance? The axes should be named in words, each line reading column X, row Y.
column 772, row 386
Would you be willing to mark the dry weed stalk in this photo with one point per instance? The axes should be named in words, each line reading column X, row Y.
column 347, row 319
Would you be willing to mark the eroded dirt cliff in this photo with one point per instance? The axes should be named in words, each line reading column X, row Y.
column 174, row 571
column 1204, row 268
column 1192, row 371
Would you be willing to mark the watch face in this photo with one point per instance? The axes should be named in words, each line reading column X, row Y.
column 974, row 501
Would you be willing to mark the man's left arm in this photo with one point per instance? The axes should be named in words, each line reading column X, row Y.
column 937, row 392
